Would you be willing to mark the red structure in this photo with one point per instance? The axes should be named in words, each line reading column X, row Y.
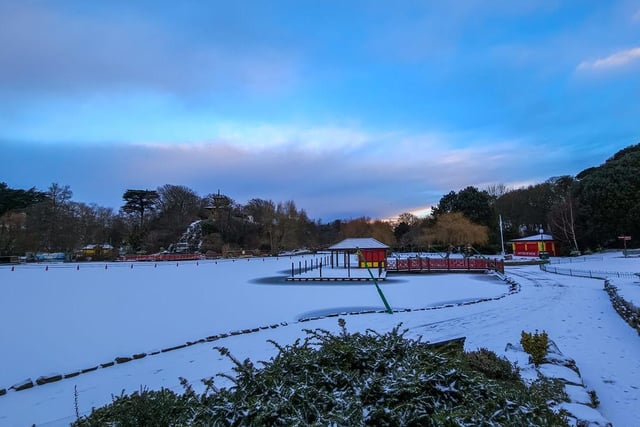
column 162, row 257
column 373, row 253
column 438, row 265
column 534, row 245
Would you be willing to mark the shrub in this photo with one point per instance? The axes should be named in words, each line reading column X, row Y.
column 536, row 345
column 142, row 408
column 494, row 367
column 351, row 379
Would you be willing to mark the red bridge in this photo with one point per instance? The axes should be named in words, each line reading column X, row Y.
column 162, row 257
column 437, row 265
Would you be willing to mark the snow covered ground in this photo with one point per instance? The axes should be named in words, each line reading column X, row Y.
column 70, row 317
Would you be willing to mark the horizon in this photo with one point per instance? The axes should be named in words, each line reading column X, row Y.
column 350, row 110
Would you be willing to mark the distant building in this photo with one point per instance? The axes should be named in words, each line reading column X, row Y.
column 374, row 252
column 96, row 252
column 534, row 245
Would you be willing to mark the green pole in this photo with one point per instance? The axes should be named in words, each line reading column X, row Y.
column 375, row 282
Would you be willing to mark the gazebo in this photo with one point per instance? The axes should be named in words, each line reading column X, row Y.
column 374, row 252
column 534, row 245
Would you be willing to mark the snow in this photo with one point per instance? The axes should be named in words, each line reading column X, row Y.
column 72, row 317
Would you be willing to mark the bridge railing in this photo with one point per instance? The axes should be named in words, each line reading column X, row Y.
column 426, row 264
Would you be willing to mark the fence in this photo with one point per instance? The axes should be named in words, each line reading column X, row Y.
column 425, row 264
column 575, row 260
column 592, row 274
column 162, row 257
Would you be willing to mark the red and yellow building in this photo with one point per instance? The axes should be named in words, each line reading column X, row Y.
column 368, row 252
column 535, row 245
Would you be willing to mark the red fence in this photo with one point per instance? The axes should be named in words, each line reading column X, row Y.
column 420, row 264
column 162, row 257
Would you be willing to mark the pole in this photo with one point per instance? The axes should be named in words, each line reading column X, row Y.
column 375, row 282
column 501, row 235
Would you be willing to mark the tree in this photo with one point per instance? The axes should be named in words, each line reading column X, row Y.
column 261, row 214
column 454, row 229
column 474, row 204
column 358, row 227
column 56, row 217
column 523, row 210
column 608, row 199
column 177, row 207
column 406, row 230
column 179, row 203
column 562, row 216
column 140, row 202
column 13, row 217
column 17, row 199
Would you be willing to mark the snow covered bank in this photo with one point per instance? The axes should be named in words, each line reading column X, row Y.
column 65, row 319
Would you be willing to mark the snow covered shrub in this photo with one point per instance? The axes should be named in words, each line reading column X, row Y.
column 358, row 379
column 143, row 408
column 494, row 367
column 536, row 345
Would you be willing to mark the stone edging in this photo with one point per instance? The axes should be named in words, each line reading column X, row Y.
column 582, row 401
column 514, row 287
column 629, row 312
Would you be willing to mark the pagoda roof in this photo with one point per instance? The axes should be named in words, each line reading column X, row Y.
column 359, row 243
column 534, row 238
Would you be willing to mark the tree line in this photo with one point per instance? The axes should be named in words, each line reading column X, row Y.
column 584, row 212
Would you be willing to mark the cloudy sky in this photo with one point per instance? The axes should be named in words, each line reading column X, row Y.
column 349, row 108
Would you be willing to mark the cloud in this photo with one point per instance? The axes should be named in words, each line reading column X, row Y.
column 616, row 60
column 359, row 172
column 43, row 47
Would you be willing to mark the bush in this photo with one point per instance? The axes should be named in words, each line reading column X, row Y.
column 494, row 367
column 142, row 408
column 354, row 379
column 536, row 345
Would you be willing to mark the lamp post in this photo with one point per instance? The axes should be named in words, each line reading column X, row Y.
column 501, row 235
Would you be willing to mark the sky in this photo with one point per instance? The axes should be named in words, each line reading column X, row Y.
column 148, row 308
column 349, row 109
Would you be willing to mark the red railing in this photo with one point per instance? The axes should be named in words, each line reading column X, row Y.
column 162, row 257
column 424, row 264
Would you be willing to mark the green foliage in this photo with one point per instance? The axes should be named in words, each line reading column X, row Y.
column 536, row 345
column 142, row 408
column 476, row 205
column 491, row 365
column 140, row 202
column 350, row 379
column 609, row 197
column 17, row 199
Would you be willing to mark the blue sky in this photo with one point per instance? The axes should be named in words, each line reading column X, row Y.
column 358, row 108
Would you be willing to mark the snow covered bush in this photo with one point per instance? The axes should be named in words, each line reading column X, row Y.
column 490, row 364
column 357, row 379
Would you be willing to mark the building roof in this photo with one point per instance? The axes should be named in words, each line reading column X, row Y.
column 359, row 243
column 534, row 238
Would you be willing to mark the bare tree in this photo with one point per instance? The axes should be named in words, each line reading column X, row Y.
column 562, row 213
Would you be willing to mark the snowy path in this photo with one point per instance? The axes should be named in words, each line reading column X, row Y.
column 578, row 316
column 576, row 313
